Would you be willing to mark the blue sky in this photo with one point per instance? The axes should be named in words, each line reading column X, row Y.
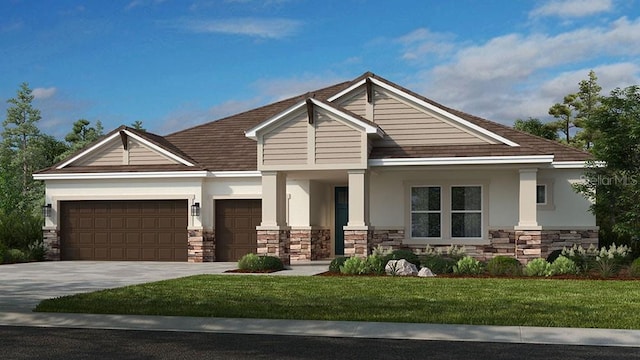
column 174, row 64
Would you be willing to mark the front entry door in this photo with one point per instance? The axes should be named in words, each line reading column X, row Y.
column 342, row 217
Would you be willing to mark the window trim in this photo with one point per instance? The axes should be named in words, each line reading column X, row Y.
column 545, row 194
column 549, row 204
column 411, row 211
column 445, row 226
column 451, row 211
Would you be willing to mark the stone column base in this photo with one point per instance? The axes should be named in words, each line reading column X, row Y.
column 51, row 241
column 356, row 243
column 274, row 243
column 201, row 246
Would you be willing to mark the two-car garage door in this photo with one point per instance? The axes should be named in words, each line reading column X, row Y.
column 146, row 230
column 151, row 230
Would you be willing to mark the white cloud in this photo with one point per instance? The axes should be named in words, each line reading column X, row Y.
column 43, row 93
column 271, row 28
column 421, row 42
column 142, row 3
column 572, row 8
column 516, row 75
column 282, row 88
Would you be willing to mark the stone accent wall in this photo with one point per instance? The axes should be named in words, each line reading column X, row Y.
column 300, row 245
column 274, row 243
column 320, row 244
column 51, row 240
column 201, row 246
column 356, row 243
column 388, row 239
column 529, row 244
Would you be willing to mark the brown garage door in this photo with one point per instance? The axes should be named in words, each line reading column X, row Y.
column 236, row 222
column 148, row 230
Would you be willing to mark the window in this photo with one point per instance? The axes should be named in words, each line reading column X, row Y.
column 541, row 194
column 466, row 211
column 426, row 212
column 446, row 212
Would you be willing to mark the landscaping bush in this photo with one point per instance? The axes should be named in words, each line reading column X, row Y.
column 564, row 266
column 403, row 254
column 468, row 266
column 3, row 250
column 18, row 231
column 37, row 251
column 336, row 263
column 253, row 262
column 438, row 264
column 634, row 268
column 354, row 266
column 375, row 264
column 456, row 252
column 503, row 266
column 15, row 256
column 537, row 267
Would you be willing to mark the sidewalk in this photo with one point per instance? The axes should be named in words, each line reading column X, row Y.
column 353, row 329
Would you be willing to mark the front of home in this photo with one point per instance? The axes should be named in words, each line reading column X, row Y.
column 333, row 172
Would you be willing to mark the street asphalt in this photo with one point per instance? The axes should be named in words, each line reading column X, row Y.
column 22, row 286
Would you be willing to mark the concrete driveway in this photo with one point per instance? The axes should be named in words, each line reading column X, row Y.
column 23, row 286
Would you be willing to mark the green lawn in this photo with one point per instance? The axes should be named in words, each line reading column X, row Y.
column 530, row 302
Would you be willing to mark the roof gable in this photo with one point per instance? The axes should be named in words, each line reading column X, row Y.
column 125, row 146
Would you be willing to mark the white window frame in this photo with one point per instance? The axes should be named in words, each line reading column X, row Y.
column 548, row 204
column 411, row 211
column 445, row 211
column 544, row 186
column 481, row 211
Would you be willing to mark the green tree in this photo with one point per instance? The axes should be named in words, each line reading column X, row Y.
column 21, row 152
column 138, row 125
column 575, row 111
column 613, row 180
column 536, row 127
column 81, row 135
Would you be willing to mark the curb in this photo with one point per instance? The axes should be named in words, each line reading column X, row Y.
column 352, row 329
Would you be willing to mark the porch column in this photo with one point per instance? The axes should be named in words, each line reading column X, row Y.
column 356, row 233
column 273, row 234
column 527, row 208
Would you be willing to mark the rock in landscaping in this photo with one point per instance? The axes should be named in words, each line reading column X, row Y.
column 426, row 272
column 401, row 268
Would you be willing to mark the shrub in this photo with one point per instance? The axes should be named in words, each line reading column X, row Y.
column 37, row 251
column 3, row 250
column 253, row 262
column 438, row 264
column 537, row 267
column 503, row 265
column 634, row 268
column 375, row 264
column 605, row 260
column 354, row 266
column 456, row 252
column 403, row 254
column 336, row 263
column 381, row 251
column 468, row 266
column 15, row 256
column 18, row 231
column 564, row 266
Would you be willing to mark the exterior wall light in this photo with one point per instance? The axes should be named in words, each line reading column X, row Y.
column 46, row 211
column 195, row 209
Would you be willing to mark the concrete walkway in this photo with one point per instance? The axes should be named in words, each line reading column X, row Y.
column 22, row 286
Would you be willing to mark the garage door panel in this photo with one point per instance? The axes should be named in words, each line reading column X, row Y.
column 124, row 230
column 236, row 222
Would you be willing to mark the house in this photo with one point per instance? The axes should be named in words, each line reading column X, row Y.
column 331, row 172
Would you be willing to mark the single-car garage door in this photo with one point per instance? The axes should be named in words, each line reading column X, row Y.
column 147, row 230
column 236, row 222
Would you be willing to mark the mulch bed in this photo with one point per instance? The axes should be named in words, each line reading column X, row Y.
column 252, row 272
column 623, row 275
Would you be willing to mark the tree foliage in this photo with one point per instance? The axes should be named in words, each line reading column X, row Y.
column 615, row 186
column 81, row 135
column 138, row 125
column 576, row 110
column 536, row 127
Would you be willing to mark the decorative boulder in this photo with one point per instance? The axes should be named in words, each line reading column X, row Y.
column 401, row 268
column 426, row 272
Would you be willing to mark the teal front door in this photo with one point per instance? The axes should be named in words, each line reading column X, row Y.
column 342, row 217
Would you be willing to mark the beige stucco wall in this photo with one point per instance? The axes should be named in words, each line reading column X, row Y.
column 389, row 201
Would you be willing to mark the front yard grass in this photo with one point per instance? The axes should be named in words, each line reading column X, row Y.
column 478, row 301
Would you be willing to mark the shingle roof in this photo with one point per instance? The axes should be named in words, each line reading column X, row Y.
column 221, row 145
